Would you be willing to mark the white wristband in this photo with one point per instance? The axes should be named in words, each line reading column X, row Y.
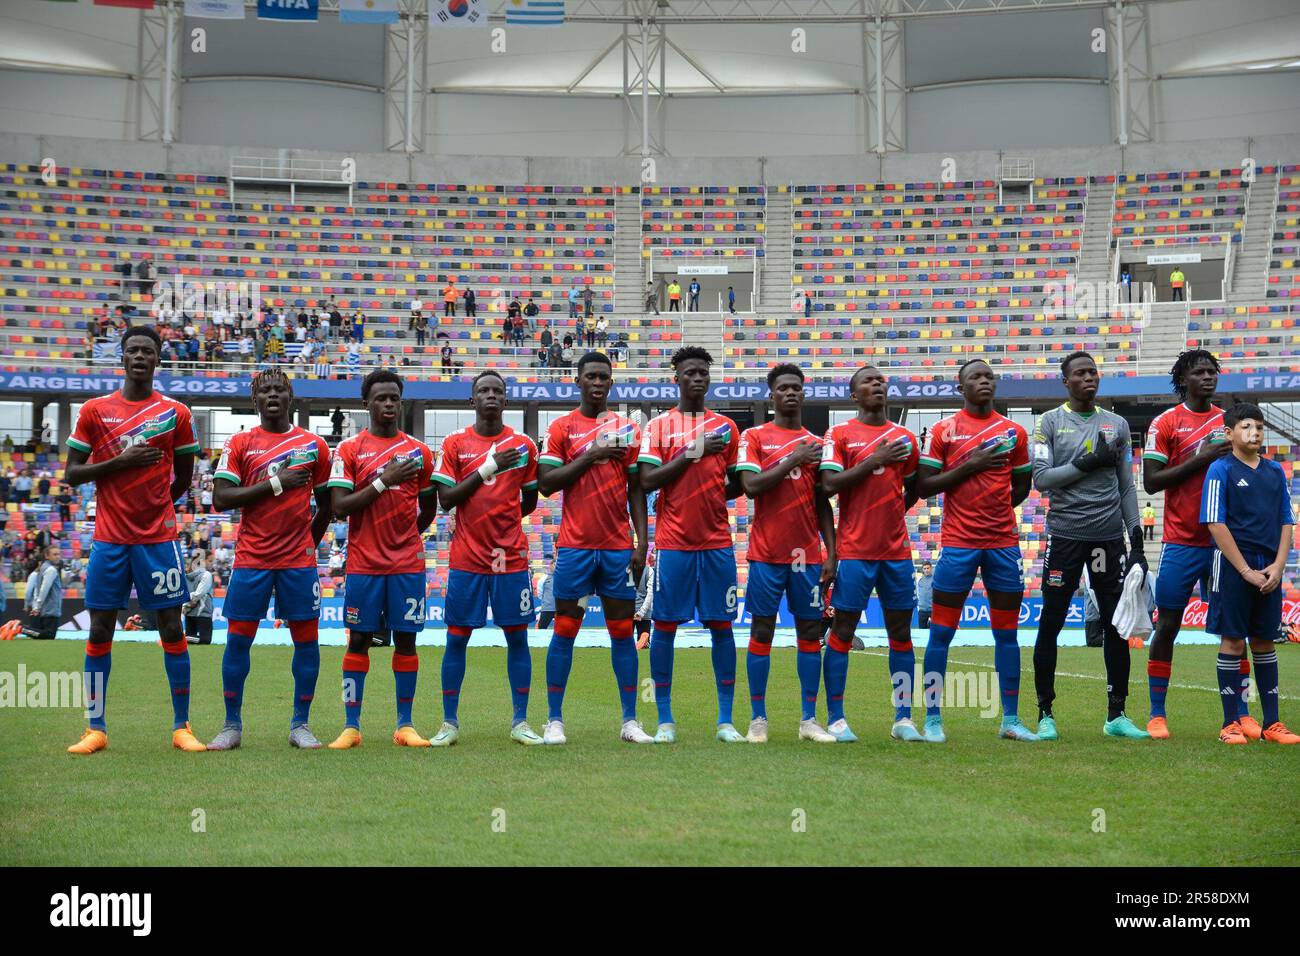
column 379, row 486
column 277, row 488
column 487, row 469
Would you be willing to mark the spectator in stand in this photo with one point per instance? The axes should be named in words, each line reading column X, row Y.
column 674, row 296
column 417, row 309
column 345, row 329
column 222, row 557
column 530, row 312
column 651, row 297
column 43, row 488
column 203, row 464
column 731, row 299
column 23, row 488
column 471, row 304
column 693, row 303
column 205, row 495
column 602, row 332
column 64, row 500
column 335, row 322
column 421, row 326
column 589, row 331
column 305, row 355
column 555, row 355
column 514, row 308
column 446, row 353
column 924, row 596
column 147, row 274
column 336, row 561
column 566, row 353
column 247, row 346
column 575, row 296
column 588, row 300
column 359, row 327
column 1176, row 283
column 449, row 296
column 198, row 609
column 807, row 303
column 517, row 330
column 275, row 345
column 336, row 424
column 1149, row 522
column 302, row 318
column 124, row 284
column 546, row 338
column 192, row 352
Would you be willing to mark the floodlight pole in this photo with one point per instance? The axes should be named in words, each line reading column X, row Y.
column 410, row 83
column 645, row 89
column 880, row 85
column 169, row 66
column 1122, row 70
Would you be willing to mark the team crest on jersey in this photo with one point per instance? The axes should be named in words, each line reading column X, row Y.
column 352, row 615
column 1055, row 579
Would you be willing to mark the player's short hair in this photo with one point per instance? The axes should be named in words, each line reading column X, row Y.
column 1242, row 411
column 967, row 364
column 590, row 357
column 785, row 368
column 484, row 374
column 376, row 377
column 136, row 331
column 1184, row 364
column 853, row 379
column 273, row 374
column 688, row 352
column 1065, row 362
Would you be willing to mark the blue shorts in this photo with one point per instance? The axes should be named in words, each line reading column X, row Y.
column 469, row 594
column 156, row 570
column 892, row 581
column 583, row 571
column 687, row 582
column 999, row 570
column 1182, row 567
column 768, row 582
column 1238, row 610
column 297, row 594
column 384, row 602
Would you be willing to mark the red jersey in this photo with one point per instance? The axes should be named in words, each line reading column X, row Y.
column 489, row 526
column 1175, row 436
column 691, row 514
column 785, row 517
column 873, row 513
column 275, row 532
column 383, row 538
column 978, row 513
column 134, row 506
column 594, row 508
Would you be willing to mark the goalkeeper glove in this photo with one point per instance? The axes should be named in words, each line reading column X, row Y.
column 1105, row 455
column 1135, row 554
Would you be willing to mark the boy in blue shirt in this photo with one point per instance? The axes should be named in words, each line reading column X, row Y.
column 1247, row 507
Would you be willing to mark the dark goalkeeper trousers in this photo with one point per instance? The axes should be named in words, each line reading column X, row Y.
column 1063, row 564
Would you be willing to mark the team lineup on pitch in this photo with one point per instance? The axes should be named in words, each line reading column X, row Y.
column 829, row 531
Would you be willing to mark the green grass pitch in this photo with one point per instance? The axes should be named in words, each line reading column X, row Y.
column 976, row 800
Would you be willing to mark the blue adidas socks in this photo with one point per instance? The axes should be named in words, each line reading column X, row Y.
column 1228, row 668
column 99, row 662
column 1266, row 681
column 661, row 667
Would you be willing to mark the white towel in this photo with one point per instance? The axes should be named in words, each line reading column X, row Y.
column 1133, row 614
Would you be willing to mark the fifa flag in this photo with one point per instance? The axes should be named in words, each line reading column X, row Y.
column 368, row 11
column 458, row 13
column 535, row 13
column 301, row 11
column 133, row 4
column 215, row 9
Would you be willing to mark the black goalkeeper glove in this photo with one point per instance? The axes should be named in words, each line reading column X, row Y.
column 1105, row 456
column 1135, row 554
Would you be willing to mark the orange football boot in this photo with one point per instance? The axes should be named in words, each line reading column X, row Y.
column 1278, row 734
column 407, row 737
column 351, row 737
column 1251, row 728
column 1158, row 728
column 92, row 740
column 183, row 739
column 1232, row 734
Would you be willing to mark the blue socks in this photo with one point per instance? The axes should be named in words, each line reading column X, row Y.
column 808, row 664
column 519, row 669
column 406, row 674
column 902, row 672
column 99, row 662
column 1230, row 691
column 724, row 666
column 758, row 664
column 835, row 669
column 622, row 655
column 176, row 660
column 936, row 656
column 355, row 668
column 1006, row 660
column 453, row 670
column 235, row 664
column 661, row 667
column 1266, row 681
column 559, row 662
column 305, row 668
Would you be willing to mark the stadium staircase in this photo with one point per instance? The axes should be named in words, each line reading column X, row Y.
column 1094, row 254
column 629, row 271
column 1249, row 279
column 775, row 288
column 1164, row 337
column 703, row 329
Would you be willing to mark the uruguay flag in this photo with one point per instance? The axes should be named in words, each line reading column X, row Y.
column 368, row 11
column 535, row 13
column 215, row 9
column 301, row 11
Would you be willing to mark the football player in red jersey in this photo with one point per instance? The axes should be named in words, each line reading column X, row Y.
column 138, row 447
column 380, row 480
column 488, row 472
column 979, row 461
column 272, row 473
column 871, row 464
column 777, row 464
column 689, row 454
column 590, row 454
column 1181, row 444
